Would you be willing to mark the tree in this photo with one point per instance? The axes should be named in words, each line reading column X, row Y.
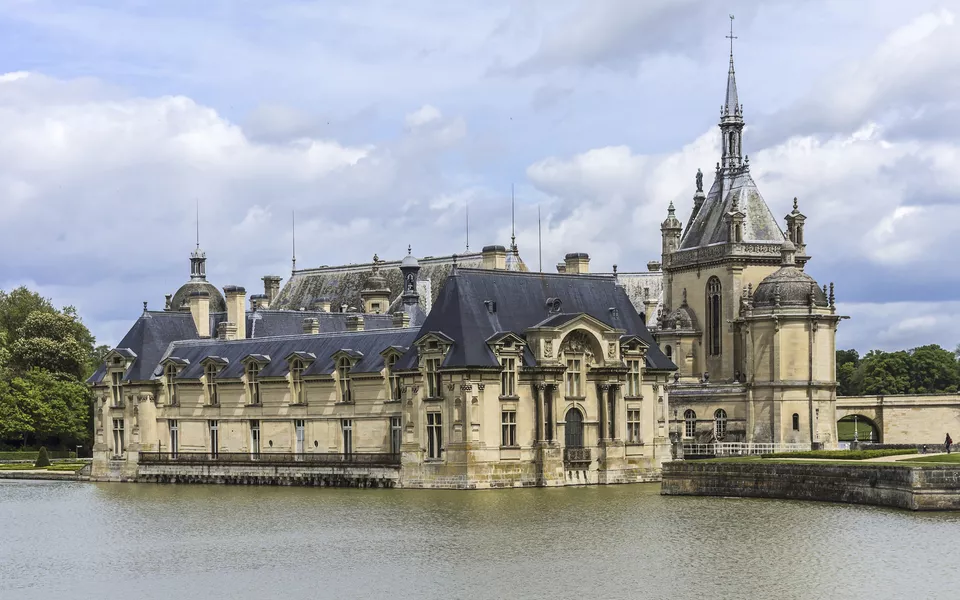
column 40, row 407
column 933, row 369
column 885, row 372
column 50, row 341
column 849, row 378
column 15, row 307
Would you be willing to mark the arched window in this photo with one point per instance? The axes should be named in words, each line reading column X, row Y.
column 732, row 144
column 796, row 422
column 253, row 383
column 714, row 315
column 669, row 350
column 296, row 381
column 169, row 381
column 573, row 429
column 720, row 423
column 343, row 378
column 689, row 423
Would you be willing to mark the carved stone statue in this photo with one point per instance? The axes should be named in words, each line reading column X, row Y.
column 699, row 181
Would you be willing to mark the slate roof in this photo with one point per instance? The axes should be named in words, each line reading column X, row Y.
column 149, row 338
column 269, row 323
column 461, row 312
column 708, row 226
column 366, row 344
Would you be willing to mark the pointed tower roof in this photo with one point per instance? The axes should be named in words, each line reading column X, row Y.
column 731, row 107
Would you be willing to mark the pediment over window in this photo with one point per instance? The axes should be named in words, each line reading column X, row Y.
column 260, row 359
column 353, row 356
column 119, row 356
column 506, row 342
column 433, row 340
column 174, row 360
column 393, row 351
column 633, row 343
column 217, row 361
column 306, row 357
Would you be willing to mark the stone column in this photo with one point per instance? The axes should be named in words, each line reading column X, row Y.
column 539, row 420
column 603, row 429
column 548, row 411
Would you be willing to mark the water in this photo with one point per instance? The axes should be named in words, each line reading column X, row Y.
column 78, row 540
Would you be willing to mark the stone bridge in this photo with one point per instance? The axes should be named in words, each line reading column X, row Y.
column 905, row 419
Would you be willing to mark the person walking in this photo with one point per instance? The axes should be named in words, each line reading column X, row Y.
column 947, row 442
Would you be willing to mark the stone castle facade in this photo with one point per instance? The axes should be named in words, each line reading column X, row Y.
column 473, row 372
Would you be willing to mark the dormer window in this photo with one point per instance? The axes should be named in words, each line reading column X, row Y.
column 433, row 377
column 170, row 384
column 253, row 383
column 343, row 379
column 396, row 392
column 210, row 384
column 298, row 390
column 508, row 376
column 116, row 388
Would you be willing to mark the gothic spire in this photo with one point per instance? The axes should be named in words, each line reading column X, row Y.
column 731, row 119
column 731, row 107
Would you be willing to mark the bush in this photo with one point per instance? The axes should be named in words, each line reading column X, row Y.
column 842, row 454
column 42, row 459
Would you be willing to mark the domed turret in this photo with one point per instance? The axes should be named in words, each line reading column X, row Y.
column 198, row 283
column 788, row 285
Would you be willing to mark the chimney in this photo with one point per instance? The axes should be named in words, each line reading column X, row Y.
column 401, row 319
column 258, row 302
column 271, row 288
column 168, row 302
column 321, row 304
column 653, row 266
column 236, row 309
column 577, row 263
column 311, row 326
column 355, row 322
column 561, row 267
column 200, row 311
column 494, row 257
column 227, row 330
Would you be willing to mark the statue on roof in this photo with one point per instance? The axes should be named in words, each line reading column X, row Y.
column 699, row 181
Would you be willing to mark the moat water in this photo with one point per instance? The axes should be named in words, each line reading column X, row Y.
column 78, row 540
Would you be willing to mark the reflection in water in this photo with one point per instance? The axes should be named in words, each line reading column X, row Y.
column 151, row 541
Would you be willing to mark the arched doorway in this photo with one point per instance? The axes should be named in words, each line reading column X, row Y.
column 859, row 428
column 573, row 430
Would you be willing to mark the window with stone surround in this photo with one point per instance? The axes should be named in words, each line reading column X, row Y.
column 253, row 383
column 434, row 435
column 396, row 433
column 633, row 427
column 118, row 441
column 714, row 316
column 174, row 437
column 214, row 438
column 508, row 376
column 254, row 439
column 210, row 383
column 508, row 428
column 689, row 423
column 796, row 422
column 396, row 391
column 633, row 377
column 343, row 379
column 170, row 384
column 434, row 383
column 574, row 378
column 346, row 428
column 116, row 387
column 720, row 423
column 298, row 389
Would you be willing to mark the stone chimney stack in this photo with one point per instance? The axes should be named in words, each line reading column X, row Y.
column 494, row 257
column 577, row 263
column 401, row 319
column 258, row 302
column 236, row 308
column 226, row 331
column 271, row 288
column 200, row 311
column 311, row 326
column 355, row 322
column 321, row 304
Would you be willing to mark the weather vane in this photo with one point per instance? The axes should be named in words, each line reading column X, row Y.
column 731, row 37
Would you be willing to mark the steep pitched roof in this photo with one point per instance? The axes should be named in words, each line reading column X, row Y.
column 461, row 311
column 149, row 338
column 708, row 226
column 367, row 344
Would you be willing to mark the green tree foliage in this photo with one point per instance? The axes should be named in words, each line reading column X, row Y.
column 43, row 460
column 923, row 370
column 45, row 356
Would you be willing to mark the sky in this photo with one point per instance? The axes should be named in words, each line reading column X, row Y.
column 379, row 122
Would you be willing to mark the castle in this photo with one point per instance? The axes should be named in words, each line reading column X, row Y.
column 474, row 372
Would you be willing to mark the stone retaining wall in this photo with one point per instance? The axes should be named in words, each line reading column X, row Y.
column 365, row 477
column 909, row 487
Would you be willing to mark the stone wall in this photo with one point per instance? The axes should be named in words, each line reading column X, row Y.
column 298, row 475
column 909, row 487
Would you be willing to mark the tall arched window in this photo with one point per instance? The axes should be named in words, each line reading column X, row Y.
column 343, row 377
column 689, row 423
column 796, row 422
column 720, row 423
column 714, row 315
column 669, row 350
column 732, row 144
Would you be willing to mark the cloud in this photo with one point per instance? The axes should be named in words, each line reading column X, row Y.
column 898, row 325
column 422, row 116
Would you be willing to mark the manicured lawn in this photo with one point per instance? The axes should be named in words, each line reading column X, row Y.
column 845, row 431
column 938, row 458
column 842, row 454
column 30, row 467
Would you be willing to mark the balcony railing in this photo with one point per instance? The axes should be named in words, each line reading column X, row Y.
column 741, row 448
column 576, row 455
column 373, row 459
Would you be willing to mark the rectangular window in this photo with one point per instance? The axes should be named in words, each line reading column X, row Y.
column 254, row 439
column 346, row 425
column 117, row 388
column 214, row 439
column 118, row 441
column 396, row 393
column 253, row 383
column 434, row 435
column 296, row 380
column 210, row 375
column 633, row 426
column 633, row 378
column 508, row 377
column 170, row 382
column 433, row 378
column 298, row 431
column 396, row 432
column 573, row 378
column 508, row 428
column 174, row 438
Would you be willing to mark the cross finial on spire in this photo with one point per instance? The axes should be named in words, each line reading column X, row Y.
column 293, row 239
column 731, row 37
column 198, row 222
column 513, row 220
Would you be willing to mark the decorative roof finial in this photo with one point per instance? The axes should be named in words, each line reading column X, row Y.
column 376, row 264
column 513, row 220
column 409, row 249
column 453, row 268
column 671, row 210
column 794, row 203
column 144, row 306
column 831, row 297
column 293, row 232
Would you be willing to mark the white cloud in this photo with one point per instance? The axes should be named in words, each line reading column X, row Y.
column 898, row 325
column 423, row 115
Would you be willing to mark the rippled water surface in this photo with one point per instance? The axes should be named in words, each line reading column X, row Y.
column 77, row 540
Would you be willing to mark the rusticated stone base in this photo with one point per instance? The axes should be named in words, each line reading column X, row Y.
column 361, row 477
column 907, row 487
